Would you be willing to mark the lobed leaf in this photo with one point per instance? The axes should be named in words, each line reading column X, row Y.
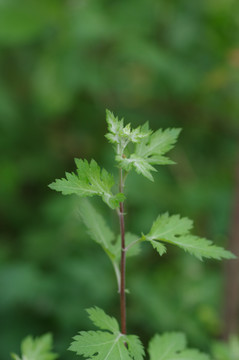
column 103, row 321
column 149, row 147
column 201, row 248
column 99, row 345
column 167, row 226
column 122, row 135
column 141, row 165
column 149, row 151
column 106, row 345
column 172, row 346
column 176, row 231
column 135, row 347
column 90, row 180
column 157, row 144
column 152, row 149
column 39, row 348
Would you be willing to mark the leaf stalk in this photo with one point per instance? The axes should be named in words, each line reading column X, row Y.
column 133, row 243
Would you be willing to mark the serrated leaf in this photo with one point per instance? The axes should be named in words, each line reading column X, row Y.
column 121, row 135
column 105, row 345
column 103, row 321
column 175, row 230
column 39, row 348
column 135, row 347
column 158, row 143
column 140, row 165
column 172, row 346
column 169, row 226
column 202, row 248
column 150, row 148
column 115, row 127
column 99, row 345
column 150, row 151
column 161, row 249
column 95, row 223
column 90, row 180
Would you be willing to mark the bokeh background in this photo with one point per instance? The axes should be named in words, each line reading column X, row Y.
column 174, row 63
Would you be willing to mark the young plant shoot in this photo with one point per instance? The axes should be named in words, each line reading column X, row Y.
column 111, row 341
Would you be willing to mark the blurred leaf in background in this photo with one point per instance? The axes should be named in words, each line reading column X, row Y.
column 39, row 348
column 226, row 351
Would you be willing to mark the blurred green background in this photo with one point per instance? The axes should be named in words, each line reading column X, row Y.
column 62, row 63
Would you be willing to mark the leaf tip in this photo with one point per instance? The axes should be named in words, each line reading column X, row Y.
column 51, row 186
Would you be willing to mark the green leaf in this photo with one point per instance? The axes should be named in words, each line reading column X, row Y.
column 166, row 345
column 140, row 165
column 135, row 347
column 161, row 248
column 169, row 226
column 150, row 148
column 121, row 135
column 110, row 344
column 153, row 148
column 176, row 231
column 150, row 151
column 226, row 351
column 201, row 247
column 100, row 233
column 156, row 145
column 36, row 349
column 115, row 127
column 100, row 345
column 103, row 321
column 90, row 180
column 95, row 223
column 191, row 354
column 172, row 346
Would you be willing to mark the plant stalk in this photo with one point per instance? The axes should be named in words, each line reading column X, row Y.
column 123, row 259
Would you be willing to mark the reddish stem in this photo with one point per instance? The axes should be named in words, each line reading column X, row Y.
column 123, row 260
